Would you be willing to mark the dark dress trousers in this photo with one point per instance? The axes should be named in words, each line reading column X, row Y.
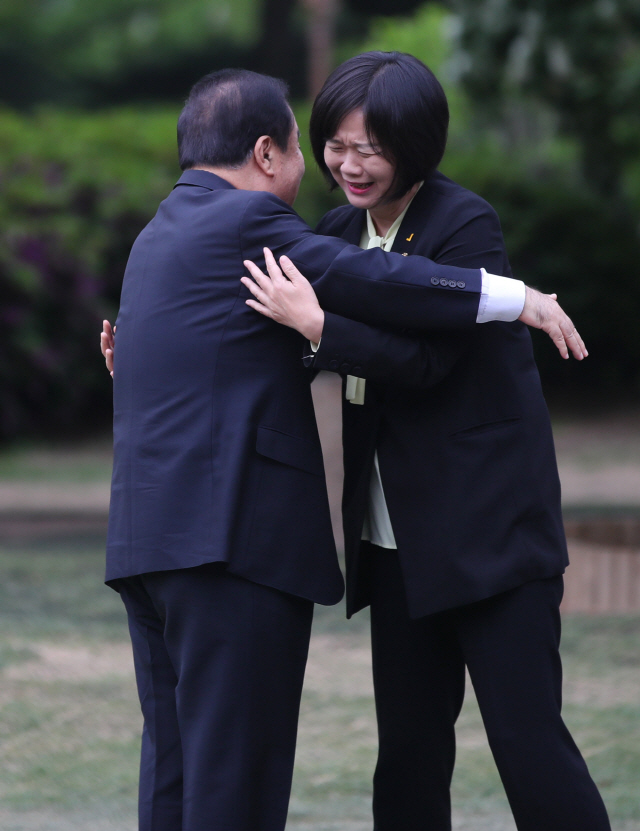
column 219, row 530
column 468, row 469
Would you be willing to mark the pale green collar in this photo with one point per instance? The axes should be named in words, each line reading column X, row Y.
column 387, row 241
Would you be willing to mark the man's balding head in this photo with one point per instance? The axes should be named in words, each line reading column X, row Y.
column 226, row 113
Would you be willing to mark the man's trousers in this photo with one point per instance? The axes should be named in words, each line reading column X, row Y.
column 509, row 643
column 219, row 665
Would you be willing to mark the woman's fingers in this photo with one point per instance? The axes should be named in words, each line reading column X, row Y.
column 107, row 343
column 107, row 352
column 272, row 267
column 264, row 310
column 259, row 276
column 291, row 271
column 289, row 300
column 259, row 293
column 106, row 336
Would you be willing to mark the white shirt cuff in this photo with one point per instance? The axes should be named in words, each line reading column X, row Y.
column 502, row 298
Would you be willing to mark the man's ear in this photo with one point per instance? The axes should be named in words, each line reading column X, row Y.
column 263, row 155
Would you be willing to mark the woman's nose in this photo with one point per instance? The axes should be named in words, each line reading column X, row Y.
column 351, row 165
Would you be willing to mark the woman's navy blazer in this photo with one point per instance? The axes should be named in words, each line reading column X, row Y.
column 216, row 450
column 460, row 424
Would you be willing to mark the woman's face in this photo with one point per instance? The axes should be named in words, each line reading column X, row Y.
column 357, row 166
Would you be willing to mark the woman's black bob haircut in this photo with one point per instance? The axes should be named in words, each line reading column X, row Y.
column 406, row 114
column 226, row 113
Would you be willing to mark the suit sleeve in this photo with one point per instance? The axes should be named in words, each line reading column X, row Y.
column 350, row 347
column 372, row 286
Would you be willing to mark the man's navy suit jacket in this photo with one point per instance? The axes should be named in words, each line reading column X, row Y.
column 216, row 450
column 460, row 424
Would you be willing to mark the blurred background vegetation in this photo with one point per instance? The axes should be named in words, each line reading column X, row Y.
column 545, row 101
column 545, row 104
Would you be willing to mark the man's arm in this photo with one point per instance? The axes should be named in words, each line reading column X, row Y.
column 351, row 348
column 377, row 287
column 370, row 286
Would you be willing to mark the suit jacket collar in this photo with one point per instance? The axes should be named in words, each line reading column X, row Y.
column 203, row 179
column 410, row 231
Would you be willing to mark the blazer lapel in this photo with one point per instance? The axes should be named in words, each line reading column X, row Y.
column 353, row 230
column 408, row 232
column 413, row 224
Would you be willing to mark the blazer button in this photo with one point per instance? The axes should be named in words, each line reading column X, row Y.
column 461, row 284
column 435, row 281
column 333, row 365
column 444, row 282
column 452, row 284
column 345, row 369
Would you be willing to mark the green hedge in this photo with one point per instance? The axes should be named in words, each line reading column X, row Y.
column 75, row 190
column 561, row 238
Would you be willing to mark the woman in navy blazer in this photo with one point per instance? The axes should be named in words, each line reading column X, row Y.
column 470, row 570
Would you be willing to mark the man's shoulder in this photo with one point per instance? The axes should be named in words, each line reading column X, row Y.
column 234, row 199
column 264, row 202
column 336, row 220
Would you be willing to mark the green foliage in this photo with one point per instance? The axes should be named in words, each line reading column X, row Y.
column 560, row 237
column 423, row 35
column 118, row 49
column 76, row 190
column 580, row 59
column 429, row 35
column 562, row 233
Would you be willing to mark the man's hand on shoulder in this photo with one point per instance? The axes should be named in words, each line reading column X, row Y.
column 542, row 311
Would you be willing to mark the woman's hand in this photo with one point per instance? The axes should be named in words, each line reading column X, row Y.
column 287, row 298
column 107, row 344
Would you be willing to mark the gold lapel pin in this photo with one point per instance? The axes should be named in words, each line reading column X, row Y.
column 410, row 238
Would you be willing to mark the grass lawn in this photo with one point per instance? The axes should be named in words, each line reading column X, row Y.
column 61, row 464
column 70, row 723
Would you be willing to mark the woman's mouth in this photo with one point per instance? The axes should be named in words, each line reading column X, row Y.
column 359, row 187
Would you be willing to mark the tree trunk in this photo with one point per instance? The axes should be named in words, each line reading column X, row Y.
column 321, row 25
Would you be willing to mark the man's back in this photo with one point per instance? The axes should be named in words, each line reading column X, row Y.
column 217, row 456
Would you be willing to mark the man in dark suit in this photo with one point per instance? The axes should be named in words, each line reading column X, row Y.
column 219, row 534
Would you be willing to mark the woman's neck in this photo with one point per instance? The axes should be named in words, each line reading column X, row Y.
column 384, row 216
